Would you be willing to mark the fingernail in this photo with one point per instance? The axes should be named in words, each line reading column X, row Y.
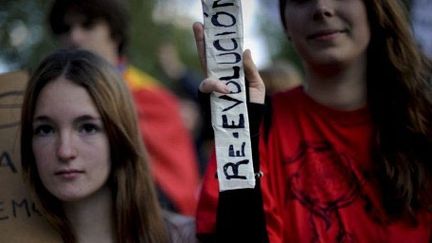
column 226, row 89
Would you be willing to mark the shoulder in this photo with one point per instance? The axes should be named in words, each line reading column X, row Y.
column 286, row 102
column 181, row 229
column 137, row 79
column 147, row 89
column 290, row 95
column 283, row 107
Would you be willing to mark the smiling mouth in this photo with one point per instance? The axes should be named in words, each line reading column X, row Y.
column 325, row 34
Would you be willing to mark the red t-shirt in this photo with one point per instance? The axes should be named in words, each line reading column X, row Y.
column 318, row 183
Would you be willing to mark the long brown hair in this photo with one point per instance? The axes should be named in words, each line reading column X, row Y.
column 400, row 100
column 136, row 210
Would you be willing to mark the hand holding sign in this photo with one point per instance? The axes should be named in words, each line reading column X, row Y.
column 220, row 47
column 254, row 80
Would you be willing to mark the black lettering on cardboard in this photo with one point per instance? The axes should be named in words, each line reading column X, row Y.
column 228, row 98
column 236, row 56
column 6, row 160
column 237, row 153
column 215, row 19
column 219, row 47
column 9, row 125
column 2, row 217
column 236, row 74
column 241, row 122
column 234, row 170
column 35, row 210
column 5, row 95
column 216, row 4
column 17, row 205
column 226, row 33
column 237, row 85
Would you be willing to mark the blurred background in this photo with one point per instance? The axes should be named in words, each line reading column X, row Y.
column 25, row 39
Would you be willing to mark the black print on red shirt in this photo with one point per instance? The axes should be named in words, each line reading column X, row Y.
column 322, row 179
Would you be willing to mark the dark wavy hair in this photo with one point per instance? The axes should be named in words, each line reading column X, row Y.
column 137, row 214
column 114, row 12
column 400, row 99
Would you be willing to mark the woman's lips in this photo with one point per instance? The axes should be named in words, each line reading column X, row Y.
column 325, row 34
column 69, row 174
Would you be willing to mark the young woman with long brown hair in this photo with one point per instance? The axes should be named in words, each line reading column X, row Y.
column 83, row 157
column 347, row 157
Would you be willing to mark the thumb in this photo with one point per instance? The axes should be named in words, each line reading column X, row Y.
column 252, row 76
column 250, row 69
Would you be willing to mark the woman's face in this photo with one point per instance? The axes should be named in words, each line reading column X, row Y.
column 328, row 31
column 69, row 142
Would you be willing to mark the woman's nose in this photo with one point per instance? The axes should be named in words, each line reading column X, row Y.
column 66, row 149
column 323, row 9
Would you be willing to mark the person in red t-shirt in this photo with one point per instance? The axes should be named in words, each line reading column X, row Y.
column 346, row 157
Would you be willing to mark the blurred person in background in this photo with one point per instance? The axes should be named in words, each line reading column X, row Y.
column 280, row 76
column 102, row 26
column 184, row 82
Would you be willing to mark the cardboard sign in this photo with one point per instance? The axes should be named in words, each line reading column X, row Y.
column 223, row 29
column 20, row 220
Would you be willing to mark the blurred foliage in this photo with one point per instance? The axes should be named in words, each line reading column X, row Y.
column 148, row 35
column 285, row 50
column 272, row 29
column 25, row 36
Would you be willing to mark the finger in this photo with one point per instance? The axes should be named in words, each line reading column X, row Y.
column 250, row 69
column 210, row 85
column 252, row 76
column 198, row 29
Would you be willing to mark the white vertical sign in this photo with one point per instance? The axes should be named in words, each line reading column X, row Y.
column 223, row 28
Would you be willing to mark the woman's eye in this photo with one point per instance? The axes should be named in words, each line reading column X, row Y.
column 43, row 130
column 89, row 128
